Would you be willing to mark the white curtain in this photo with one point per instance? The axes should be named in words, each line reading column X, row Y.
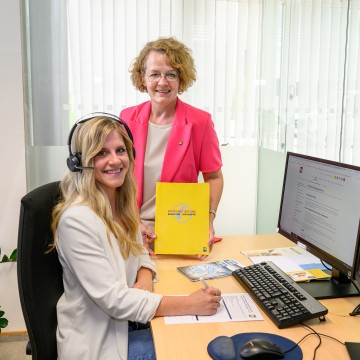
column 309, row 101
column 105, row 36
column 351, row 118
column 45, row 72
column 281, row 73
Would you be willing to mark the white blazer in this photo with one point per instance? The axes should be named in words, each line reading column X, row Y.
column 98, row 300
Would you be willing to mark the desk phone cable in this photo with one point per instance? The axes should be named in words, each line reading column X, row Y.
column 319, row 335
column 314, row 332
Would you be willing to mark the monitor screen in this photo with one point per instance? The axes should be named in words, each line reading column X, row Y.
column 320, row 211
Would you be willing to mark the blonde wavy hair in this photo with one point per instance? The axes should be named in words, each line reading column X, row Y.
column 178, row 55
column 88, row 139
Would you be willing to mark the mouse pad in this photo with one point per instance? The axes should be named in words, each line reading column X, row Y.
column 227, row 348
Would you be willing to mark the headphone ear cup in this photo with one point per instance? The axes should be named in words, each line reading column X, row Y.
column 74, row 161
column 129, row 133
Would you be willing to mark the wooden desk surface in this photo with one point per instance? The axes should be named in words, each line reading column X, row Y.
column 189, row 341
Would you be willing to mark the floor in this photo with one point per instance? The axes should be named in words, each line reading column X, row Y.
column 12, row 347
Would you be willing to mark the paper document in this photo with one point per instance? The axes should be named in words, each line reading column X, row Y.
column 288, row 259
column 233, row 307
column 309, row 275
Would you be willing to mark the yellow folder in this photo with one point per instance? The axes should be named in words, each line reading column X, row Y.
column 182, row 218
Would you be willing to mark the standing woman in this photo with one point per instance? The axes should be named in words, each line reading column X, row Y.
column 174, row 141
column 107, row 273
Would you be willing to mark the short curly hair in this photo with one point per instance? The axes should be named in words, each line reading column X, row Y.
column 179, row 57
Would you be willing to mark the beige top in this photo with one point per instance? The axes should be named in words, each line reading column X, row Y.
column 156, row 142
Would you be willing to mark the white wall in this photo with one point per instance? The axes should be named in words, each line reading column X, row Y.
column 271, row 166
column 12, row 150
column 236, row 213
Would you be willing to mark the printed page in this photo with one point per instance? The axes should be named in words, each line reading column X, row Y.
column 233, row 307
column 288, row 259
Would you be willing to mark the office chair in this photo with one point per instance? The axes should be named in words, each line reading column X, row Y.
column 39, row 274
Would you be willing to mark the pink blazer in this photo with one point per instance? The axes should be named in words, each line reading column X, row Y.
column 193, row 145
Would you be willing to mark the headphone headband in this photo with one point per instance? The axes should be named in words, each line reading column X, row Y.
column 74, row 159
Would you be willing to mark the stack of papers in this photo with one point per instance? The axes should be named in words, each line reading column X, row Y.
column 298, row 263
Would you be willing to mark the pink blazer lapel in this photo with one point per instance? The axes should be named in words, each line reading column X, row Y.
column 140, row 135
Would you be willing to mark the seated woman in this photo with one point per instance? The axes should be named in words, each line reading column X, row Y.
column 107, row 273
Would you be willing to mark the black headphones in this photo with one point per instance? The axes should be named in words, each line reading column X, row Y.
column 74, row 160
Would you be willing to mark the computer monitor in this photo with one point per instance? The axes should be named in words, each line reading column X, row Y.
column 320, row 211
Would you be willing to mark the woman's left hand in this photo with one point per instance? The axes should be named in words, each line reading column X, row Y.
column 148, row 237
column 144, row 280
column 211, row 236
column 211, row 240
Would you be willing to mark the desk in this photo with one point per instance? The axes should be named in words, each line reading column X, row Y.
column 189, row 341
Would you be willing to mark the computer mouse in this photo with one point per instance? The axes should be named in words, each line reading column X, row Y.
column 261, row 349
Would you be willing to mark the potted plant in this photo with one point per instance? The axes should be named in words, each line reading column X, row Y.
column 3, row 321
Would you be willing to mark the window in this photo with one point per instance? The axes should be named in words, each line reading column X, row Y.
column 309, row 100
column 281, row 73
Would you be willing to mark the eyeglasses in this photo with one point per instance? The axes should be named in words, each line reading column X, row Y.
column 170, row 76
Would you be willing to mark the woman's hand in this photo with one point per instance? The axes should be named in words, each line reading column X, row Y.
column 144, row 280
column 148, row 237
column 216, row 181
column 211, row 237
column 204, row 301
column 211, row 233
column 201, row 302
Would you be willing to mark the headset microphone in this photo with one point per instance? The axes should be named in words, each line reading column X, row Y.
column 85, row 167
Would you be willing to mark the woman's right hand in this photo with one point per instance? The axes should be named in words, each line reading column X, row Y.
column 148, row 237
column 204, row 301
column 201, row 302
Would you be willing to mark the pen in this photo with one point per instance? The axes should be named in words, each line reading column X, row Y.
column 222, row 299
column 204, row 282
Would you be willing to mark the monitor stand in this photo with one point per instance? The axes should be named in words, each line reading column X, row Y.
column 337, row 287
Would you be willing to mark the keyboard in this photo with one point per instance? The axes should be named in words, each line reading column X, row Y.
column 281, row 298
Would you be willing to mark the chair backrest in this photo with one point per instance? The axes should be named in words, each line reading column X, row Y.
column 39, row 274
